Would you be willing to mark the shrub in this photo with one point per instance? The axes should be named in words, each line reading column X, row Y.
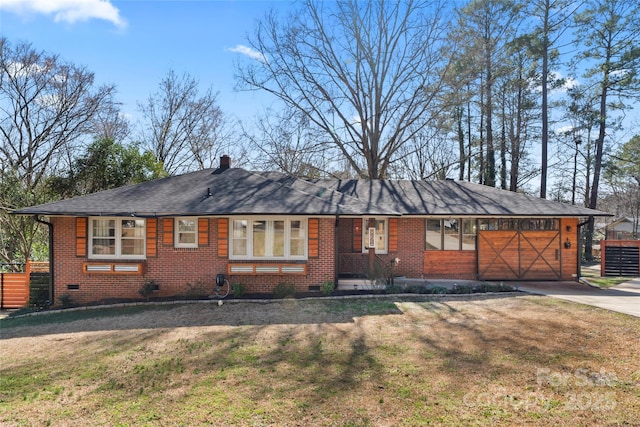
column 417, row 289
column 395, row 289
column 238, row 290
column 147, row 288
column 490, row 287
column 284, row 290
column 461, row 289
column 197, row 289
column 438, row 290
column 39, row 293
column 65, row 300
column 327, row 287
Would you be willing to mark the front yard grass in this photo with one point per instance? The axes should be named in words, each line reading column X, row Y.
column 523, row 360
column 604, row 282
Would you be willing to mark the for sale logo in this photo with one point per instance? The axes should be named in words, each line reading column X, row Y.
column 580, row 390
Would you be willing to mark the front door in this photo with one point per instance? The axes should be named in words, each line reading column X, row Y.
column 519, row 255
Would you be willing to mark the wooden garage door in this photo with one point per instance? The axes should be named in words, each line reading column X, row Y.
column 519, row 255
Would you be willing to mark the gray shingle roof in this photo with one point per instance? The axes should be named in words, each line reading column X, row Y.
column 240, row 192
column 233, row 192
column 452, row 198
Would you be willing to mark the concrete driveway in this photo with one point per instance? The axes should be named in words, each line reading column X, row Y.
column 623, row 298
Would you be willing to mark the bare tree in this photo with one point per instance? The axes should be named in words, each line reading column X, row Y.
column 431, row 154
column 283, row 141
column 364, row 73
column 183, row 128
column 222, row 139
column 46, row 106
column 110, row 123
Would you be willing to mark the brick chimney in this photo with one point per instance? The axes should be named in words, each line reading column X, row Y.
column 225, row 162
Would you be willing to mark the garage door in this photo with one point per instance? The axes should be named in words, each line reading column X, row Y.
column 519, row 255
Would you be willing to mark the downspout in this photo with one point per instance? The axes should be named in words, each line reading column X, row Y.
column 51, row 271
column 336, row 254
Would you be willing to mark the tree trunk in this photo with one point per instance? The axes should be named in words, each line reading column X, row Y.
column 545, row 119
column 481, row 144
column 469, row 140
column 490, row 175
column 462, row 161
column 597, row 166
column 503, row 147
column 515, row 143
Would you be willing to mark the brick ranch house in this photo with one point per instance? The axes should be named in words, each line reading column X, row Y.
column 265, row 228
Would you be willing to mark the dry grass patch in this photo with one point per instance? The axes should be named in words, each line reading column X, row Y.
column 393, row 361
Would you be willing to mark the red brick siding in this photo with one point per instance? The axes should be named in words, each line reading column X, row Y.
column 415, row 262
column 345, row 234
column 173, row 269
column 409, row 246
column 411, row 233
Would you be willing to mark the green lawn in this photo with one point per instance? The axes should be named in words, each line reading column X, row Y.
column 594, row 278
column 350, row 362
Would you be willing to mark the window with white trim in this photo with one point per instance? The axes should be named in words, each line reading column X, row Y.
column 378, row 235
column 186, row 230
column 268, row 238
column 239, row 238
column 117, row 238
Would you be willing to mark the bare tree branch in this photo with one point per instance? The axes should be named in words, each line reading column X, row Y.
column 364, row 73
column 183, row 129
column 46, row 106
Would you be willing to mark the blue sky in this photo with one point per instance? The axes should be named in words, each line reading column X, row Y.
column 134, row 43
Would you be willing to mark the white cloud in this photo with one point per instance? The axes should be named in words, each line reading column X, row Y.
column 70, row 11
column 565, row 130
column 19, row 69
column 569, row 83
column 247, row 51
column 620, row 73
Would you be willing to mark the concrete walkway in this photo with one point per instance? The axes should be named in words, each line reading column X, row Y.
column 623, row 298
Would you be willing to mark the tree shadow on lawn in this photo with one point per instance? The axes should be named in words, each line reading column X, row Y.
column 422, row 351
column 368, row 361
column 553, row 335
column 203, row 313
